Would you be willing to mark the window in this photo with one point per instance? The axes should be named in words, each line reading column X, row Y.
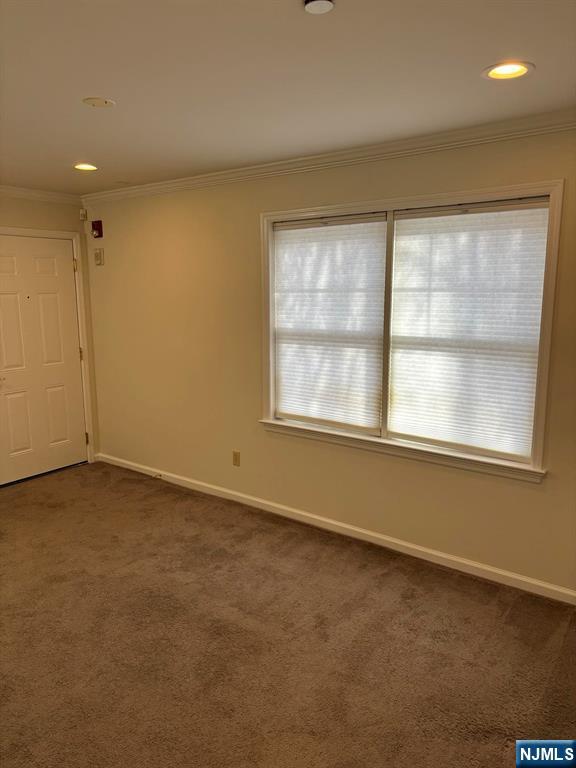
column 329, row 299
column 413, row 328
column 466, row 305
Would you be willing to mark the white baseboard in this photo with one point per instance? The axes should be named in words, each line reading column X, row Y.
column 482, row 570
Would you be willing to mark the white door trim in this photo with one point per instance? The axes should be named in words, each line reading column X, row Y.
column 81, row 307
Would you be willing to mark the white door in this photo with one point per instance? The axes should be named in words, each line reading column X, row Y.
column 41, row 399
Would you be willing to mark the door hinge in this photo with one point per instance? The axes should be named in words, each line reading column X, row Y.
column 87, row 438
column 81, row 353
column 83, row 214
column 75, row 262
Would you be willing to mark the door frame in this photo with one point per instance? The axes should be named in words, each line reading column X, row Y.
column 80, row 285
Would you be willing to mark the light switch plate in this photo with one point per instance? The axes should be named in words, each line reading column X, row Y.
column 99, row 256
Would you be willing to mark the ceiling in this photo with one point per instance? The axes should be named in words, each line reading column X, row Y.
column 205, row 85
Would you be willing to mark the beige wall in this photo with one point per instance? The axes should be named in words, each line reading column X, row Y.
column 177, row 324
column 35, row 214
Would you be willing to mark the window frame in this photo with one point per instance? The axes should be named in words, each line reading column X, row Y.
column 532, row 470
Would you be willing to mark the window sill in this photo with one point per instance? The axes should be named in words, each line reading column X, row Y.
column 433, row 454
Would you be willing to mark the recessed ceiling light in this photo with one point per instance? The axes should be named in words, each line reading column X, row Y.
column 85, row 167
column 318, row 6
column 508, row 70
column 98, row 101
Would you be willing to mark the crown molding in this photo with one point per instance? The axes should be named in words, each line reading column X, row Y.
column 532, row 125
column 40, row 195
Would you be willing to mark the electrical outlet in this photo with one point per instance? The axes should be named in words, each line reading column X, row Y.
column 236, row 458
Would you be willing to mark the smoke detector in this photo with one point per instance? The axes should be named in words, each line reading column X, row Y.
column 318, row 6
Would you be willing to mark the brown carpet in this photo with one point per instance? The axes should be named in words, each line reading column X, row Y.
column 146, row 626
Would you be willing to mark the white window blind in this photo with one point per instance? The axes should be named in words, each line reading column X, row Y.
column 328, row 322
column 465, row 326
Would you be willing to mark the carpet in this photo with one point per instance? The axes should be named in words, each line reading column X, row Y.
column 148, row 626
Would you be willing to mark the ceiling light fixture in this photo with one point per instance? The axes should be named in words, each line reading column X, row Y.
column 508, row 70
column 85, row 167
column 318, row 6
column 98, row 101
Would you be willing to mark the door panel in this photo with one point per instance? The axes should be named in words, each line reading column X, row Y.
column 46, row 265
column 7, row 266
column 41, row 400
column 18, row 412
column 49, row 309
column 11, row 331
column 57, row 414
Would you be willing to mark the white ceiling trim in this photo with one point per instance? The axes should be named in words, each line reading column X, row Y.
column 533, row 125
column 40, row 195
